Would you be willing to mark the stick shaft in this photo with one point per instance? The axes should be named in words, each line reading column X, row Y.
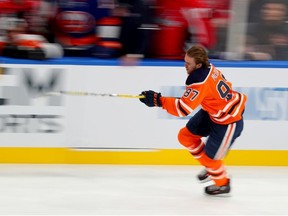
column 81, row 93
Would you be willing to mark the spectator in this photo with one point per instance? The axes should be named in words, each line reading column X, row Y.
column 136, row 29
column 16, row 41
column 128, row 36
column 267, row 39
column 220, row 18
column 12, row 16
column 12, row 20
column 40, row 18
column 182, row 23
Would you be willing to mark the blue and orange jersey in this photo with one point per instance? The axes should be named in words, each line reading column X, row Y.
column 208, row 88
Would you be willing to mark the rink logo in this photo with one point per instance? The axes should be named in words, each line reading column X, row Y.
column 29, row 85
column 75, row 21
column 266, row 103
column 32, row 123
column 22, row 110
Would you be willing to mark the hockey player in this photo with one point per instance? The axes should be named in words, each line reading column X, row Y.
column 219, row 119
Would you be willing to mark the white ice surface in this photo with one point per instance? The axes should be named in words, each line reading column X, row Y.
column 137, row 190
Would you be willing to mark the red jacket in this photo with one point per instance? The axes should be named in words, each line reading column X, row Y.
column 176, row 20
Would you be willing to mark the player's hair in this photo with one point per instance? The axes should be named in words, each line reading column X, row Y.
column 199, row 54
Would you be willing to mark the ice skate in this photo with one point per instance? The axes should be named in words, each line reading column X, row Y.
column 203, row 176
column 215, row 190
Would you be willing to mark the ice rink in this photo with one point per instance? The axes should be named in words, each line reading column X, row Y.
column 137, row 190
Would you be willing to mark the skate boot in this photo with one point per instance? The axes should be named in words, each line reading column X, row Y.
column 203, row 176
column 218, row 190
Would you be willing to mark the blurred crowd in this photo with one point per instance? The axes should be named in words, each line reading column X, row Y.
column 134, row 29
column 267, row 30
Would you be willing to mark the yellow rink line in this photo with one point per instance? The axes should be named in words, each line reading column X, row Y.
column 154, row 157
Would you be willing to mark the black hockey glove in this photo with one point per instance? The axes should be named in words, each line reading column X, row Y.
column 151, row 98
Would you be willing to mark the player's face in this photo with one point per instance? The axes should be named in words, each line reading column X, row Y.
column 190, row 64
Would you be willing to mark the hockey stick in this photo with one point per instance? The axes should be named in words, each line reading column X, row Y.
column 82, row 93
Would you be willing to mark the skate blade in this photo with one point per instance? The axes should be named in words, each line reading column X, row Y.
column 219, row 195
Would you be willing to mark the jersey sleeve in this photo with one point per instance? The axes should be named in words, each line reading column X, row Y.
column 189, row 101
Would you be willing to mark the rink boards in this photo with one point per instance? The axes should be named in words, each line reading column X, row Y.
column 104, row 130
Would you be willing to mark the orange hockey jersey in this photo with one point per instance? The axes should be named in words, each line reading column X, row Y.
column 209, row 88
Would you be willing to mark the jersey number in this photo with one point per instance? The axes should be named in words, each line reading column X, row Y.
column 194, row 92
column 223, row 90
